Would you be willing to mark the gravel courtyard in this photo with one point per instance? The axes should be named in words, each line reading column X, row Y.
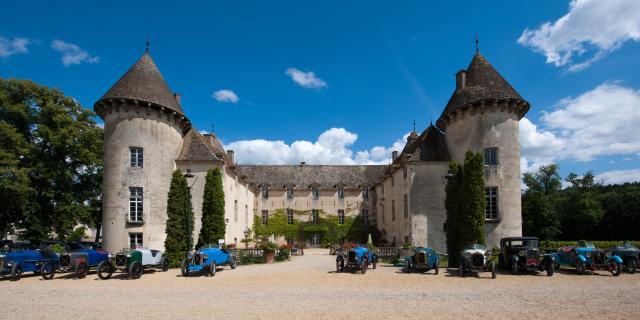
column 307, row 287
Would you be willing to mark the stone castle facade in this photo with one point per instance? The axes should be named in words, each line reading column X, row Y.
column 147, row 136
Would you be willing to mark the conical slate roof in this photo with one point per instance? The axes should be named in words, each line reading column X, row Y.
column 195, row 147
column 143, row 82
column 483, row 82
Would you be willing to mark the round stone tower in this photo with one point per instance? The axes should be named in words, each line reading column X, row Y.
column 482, row 115
column 143, row 130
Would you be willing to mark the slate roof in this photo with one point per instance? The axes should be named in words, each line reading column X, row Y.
column 215, row 144
column 143, row 82
column 304, row 176
column 483, row 82
column 195, row 147
column 429, row 146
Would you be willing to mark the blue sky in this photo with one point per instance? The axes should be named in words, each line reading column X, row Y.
column 376, row 67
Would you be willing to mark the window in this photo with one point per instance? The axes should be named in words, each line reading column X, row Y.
column 315, row 217
column 382, row 210
column 235, row 211
column 289, row 193
column 340, row 216
column 365, row 216
column 365, row 193
column 340, row 193
column 136, row 157
column 491, row 211
column 315, row 193
column 382, row 185
column 393, row 210
column 289, row 216
column 406, row 206
column 135, row 240
column 490, row 156
column 265, row 216
column 265, row 191
column 404, row 172
column 135, row 204
column 406, row 239
column 246, row 214
column 393, row 181
column 290, row 241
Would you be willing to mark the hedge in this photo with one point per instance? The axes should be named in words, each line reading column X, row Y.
column 554, row 245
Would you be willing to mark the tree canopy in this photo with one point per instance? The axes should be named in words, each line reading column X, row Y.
column 179, row 219
column 213, row 224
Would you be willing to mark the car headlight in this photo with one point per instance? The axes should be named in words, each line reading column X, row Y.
column 588, row 254
column 608, row 254
column 521, row 253
column 487, row 254
column 109, row 256
column 128, row 256
column 2, row 256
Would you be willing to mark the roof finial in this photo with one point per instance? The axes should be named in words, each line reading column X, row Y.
column 477, row 48
column 414, row 125
column 147, row 48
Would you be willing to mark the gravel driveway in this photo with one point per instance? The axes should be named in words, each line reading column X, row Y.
column 308, row 288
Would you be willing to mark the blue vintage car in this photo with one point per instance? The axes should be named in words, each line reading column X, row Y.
column 14, row 263
column 77, row 259
column 422, row 259
column 586, row 256
column 357, row 258
column 206, row 260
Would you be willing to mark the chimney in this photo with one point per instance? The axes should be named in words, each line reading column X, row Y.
column 177, row 96
column 302, row 163
column 394, row 155
column 461, row 79
column 230, row 157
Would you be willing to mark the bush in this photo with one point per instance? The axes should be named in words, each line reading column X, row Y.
column 268, row 247
column 283, row 255
column 551, row 246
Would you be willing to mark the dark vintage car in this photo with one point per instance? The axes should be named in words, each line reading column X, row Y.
column 477, row 258
column 77, row 259
column 422, row 260
column 629, row 254
column 357, row 258
column 520, row 254
column 15, row 262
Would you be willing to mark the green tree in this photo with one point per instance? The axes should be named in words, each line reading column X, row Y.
column 452, row 205
column 540, row 202
column 582, row 209
column 213, row 224
column 50, row 161
column 178, row 213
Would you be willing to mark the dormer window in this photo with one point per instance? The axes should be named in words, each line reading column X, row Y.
column 289, row 192
column 265, row 191
column 365, row 193
column 315, row 192
column 340, row 192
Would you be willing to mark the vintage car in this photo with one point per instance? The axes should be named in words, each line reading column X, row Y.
column 15, row 262
column 357, row 258
column 77, row 260
column 422, row 260
column 523, row 254
column 586, row 256
column 629, row 254
column 477, row 258
column 206, row 260
column 133, row 262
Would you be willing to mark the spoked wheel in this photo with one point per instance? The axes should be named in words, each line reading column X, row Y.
column 135, row 270
column 436, row 267
column 16, row 272
column 631, row 265
column 340, row 265
column 408, row 268
column 164, row 264
column 615, row 268
column 81, row 270
column 492, row 268
column 47, row 271
column 580, row 267
column 105, row 270
column 364, row 266
column 184, row 269
column 514, row 266
column 551, row 269
column 375, row 262
column 233, row 263
column 212, row 269
column 461, row 269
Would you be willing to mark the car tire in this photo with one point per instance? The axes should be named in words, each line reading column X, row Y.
column 184, row 268
column 339, row 265
column 514, row 266
column 47, row 271
column 135, row 270
column 233, row 263
column 409, row 267
column 81, row 270
column 437, row 267
column 105, row 270
column 364, row 266
column 16, row 272
column 212, row 269
column 551, row 269
column 492, row 268
column 375, row 263
column 631, row 265
column 461, row 268
column 616, row 269
column 580, row 267
column 557, row 266
column 164, row 264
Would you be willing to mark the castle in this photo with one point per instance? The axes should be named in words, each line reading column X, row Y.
column 147, row 136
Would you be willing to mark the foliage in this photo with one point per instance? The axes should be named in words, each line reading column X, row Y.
column 57, row 248
column 268, row 247
column 283, row 255
column 581, row 209
column 465, row 204
column 213, row 224
column 552, row 246
column 77, row 234
column 539, row 202
column 178, row 209
column 50, row 161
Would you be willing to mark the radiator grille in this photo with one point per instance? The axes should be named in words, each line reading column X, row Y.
column 197, row 259
column 421, row 257
column 477, row 259
column 352, row 256
column 598, row 257
column 65, row 261
column 121, row 260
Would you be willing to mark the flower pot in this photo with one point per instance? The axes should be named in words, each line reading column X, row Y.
column 268, row 257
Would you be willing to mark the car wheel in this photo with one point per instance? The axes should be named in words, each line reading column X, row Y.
column 492, row 268
column 364, row 266
column 339, row 265
column 135, row 270
column 104, row 270
column 409, row 266
column 47, row 271
column 164, row 264
column 81, row 270
column 16, row 272
column 437, row 267
column 375, row 263
column 184, row 268
column 580, row 267
column 212, row 269
column 514, row 266
column 616, row 269
column 461, row 269
column 631, row 265
column 551, row 269
column 233, row 263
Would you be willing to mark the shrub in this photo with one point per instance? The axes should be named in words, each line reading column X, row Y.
column 283, row 255
column 268, row 247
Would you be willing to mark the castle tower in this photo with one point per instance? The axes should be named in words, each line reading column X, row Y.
column 482, row 115
column 143, row 130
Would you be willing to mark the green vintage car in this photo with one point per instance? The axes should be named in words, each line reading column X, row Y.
column 133, row 262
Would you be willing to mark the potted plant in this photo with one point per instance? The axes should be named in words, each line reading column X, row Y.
column 269, row 250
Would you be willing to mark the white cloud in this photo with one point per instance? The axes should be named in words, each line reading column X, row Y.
column 17, row 45
column 600, row 122
column 618, row 176
column 72, row 54
column 590, row 30
column 332, row 147
column 306, row 79
column 225, row 95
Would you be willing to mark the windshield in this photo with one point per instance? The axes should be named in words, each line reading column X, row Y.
column 475, row 247
column 521, row 244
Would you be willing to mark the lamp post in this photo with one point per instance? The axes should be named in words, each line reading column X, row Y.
column 188, row 174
